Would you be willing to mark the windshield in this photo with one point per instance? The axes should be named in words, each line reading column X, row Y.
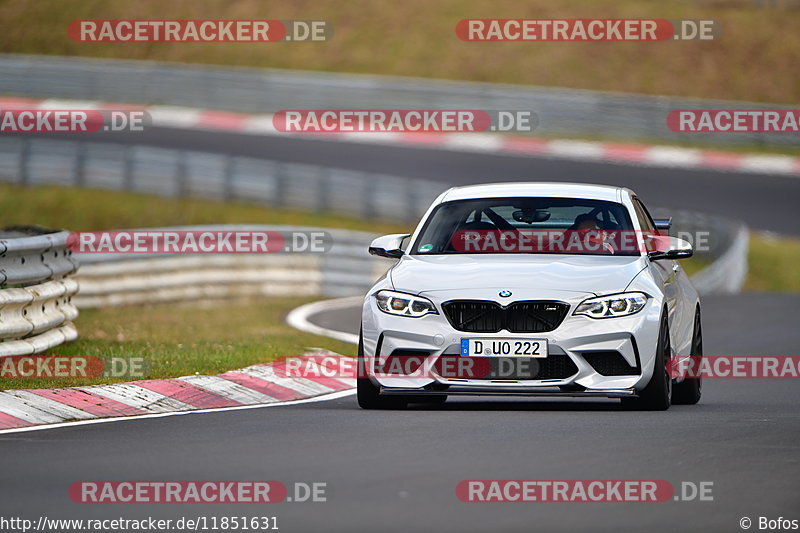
column 528, row 225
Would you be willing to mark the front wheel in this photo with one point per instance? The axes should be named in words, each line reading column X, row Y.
column 657, row 395
column 689, row 391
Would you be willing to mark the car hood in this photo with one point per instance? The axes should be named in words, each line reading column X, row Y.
column 416, row 274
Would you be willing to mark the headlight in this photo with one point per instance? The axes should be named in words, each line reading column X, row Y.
column 401, row 304
column 623, row 304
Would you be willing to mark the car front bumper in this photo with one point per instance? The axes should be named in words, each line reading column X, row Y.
column 633, row 337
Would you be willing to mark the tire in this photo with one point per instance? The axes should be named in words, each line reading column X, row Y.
column 689, row 391
column 367, row 393
column 657, row 395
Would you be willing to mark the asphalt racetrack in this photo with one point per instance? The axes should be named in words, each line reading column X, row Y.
column 398, row 470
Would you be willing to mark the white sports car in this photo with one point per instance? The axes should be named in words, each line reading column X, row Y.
column 532, row 289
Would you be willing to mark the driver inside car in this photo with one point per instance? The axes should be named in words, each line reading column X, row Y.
column 591, row 233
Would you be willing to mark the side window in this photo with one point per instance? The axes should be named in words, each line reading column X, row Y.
column 645, row 221
column 649, row 217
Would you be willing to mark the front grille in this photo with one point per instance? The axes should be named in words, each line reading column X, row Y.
column 610, row 363
column 482, row 316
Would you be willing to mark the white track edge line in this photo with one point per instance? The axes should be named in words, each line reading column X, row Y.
column 320, row 398
column 298, row 318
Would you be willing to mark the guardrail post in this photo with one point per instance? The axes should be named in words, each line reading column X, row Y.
column 368, row 197
column 181, row 175
column 281, row 178
column 228, row 171
column 323, row 188
column 127, row 169
column 411, row 198
column 24, row 162
column 80, row 164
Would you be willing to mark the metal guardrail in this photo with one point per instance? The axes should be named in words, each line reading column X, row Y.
column 346, row 269
column 728, row 272
column 165, row 279
column 719, row 241
column 123, row 279
column 31, row 255
column 36, row 308
column 169, row 172
column 561, row 112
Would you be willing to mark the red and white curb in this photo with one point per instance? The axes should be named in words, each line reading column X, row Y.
column 620, row 153
column 254, row 386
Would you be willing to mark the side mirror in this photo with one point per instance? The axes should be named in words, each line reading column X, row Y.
column 669, row 248
column 663, row 224
column 388, row 245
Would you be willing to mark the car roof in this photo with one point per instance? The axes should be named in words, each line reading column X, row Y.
column 546, row 189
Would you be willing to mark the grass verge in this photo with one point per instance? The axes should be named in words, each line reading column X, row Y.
column 80, row 209
column 184, row 339
column 752, row 59
column 774, row 263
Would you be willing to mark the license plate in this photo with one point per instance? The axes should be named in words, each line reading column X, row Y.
column 491, row 347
